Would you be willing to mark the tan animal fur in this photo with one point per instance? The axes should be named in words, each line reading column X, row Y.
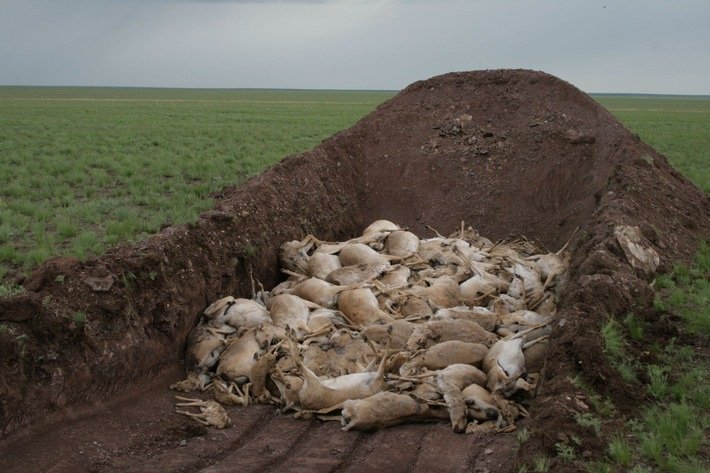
column 441, row 330
column 444, row 354
column 360, row 306
column 329, row 394
column 386, row 409
column 211, row 412
column 401, row 243
column 483, row 316
column 290, row 311
column 320, row 265
column 319, row 292
column 355, row 274
column 237, row 360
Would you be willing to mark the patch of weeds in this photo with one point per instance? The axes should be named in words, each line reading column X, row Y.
column 250, row 250
column 657, row 381
column 128, row 279
column 634, row 327
column 613, row 340
column 692, row 386
column 565, row 451
column 7, row 290
column 9, row 254
column 627, row 371
column 659, row 305
column 686, row 291
column 79, row 318
column 59, row 278
column 621, row 451
column 602, row 405
column 672, row 431
column 664, row 281
column 640, row 469
column 522, row 469
column 599, row 467
column 678, row 354
column 523, row 435
column 4, row 328
column 542, row 464
column 615, row 349
column 589, row 420
column 152, row 275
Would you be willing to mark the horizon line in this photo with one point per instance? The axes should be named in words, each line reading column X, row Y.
column 296, row 89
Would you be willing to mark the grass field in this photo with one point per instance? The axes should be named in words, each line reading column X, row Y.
column 82, row 169
column 676, row 126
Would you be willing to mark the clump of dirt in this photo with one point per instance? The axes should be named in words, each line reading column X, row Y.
column 509, row 151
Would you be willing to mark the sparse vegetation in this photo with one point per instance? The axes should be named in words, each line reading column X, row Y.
column 621, row 451
column 602, row 405
column 9, row 289
column 686, row 292
column 79, row 318
column 542, row 464
column 634, row 327
column 589, row 420
column 565, row 451
column 523, row 435
column 614, row 344
column 668, row 434
column 615, row 348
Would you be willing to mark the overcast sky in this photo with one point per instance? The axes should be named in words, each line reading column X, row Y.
column 645, row 46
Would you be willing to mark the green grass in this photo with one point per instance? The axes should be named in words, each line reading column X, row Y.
column 88, row 168
column 541, row 464
column 621, row 451
column 676, row 126
column 615, row 348
column 668, row 434
column 686, row 292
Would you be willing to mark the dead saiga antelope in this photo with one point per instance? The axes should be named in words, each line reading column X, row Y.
column 322, row 396
column 504, row 364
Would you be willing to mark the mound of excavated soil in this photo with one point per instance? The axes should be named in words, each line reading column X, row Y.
column 508, row 151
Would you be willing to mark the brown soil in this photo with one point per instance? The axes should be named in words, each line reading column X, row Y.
column 537, row 157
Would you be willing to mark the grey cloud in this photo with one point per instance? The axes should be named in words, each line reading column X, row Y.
column 631, row 46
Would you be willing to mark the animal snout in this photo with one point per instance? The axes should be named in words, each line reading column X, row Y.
column 491, row 413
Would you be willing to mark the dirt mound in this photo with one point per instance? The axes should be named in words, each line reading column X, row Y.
column 508, row 151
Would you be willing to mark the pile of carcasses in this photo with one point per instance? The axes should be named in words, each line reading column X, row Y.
column 384, row 329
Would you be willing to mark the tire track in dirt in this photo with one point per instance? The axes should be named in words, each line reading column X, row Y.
column 459, row 449
column 392, row 450
column 326, row 449
column 258, row 451
column 200, row 452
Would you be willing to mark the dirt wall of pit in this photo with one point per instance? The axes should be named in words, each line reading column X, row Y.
column 509, row 152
